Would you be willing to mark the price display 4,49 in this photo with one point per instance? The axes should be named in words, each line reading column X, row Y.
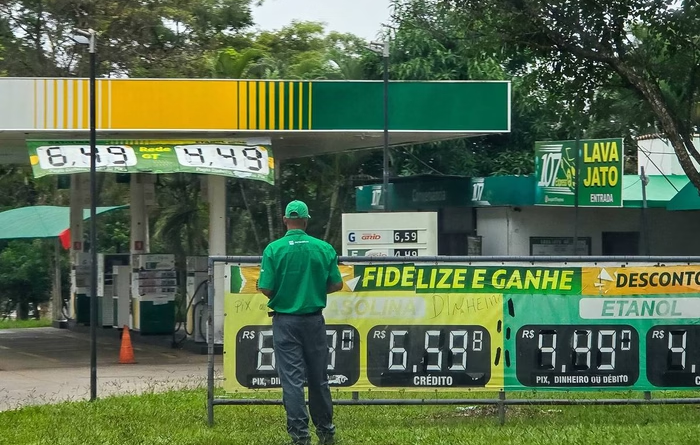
column 577, row 355
column 227, row 157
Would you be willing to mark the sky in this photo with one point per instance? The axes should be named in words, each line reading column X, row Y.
column 361, row 17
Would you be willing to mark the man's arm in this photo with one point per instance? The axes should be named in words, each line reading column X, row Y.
column 335, row 281
column 334, row 287
column 266, row 282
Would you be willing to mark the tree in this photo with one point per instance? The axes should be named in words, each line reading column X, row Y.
column 150, row 38
column 648, row 47
column 301, row 50
column 25, row 278
column 432, row 43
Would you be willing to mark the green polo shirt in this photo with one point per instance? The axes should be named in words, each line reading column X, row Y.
column 297, row 268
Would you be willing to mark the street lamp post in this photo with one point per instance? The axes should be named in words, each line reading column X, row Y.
column 383, row 49
column 89, row 38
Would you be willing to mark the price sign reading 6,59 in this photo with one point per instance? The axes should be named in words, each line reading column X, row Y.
column 429, row 356
column 239, row 158
column 405, row 236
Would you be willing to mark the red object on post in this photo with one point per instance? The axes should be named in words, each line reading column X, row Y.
column 138, row 245
column 65, row 239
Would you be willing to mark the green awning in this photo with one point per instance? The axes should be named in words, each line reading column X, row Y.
column 687, row 199
column 430, row 192
column 503, row 191
column 660, row 190
column 40, row 221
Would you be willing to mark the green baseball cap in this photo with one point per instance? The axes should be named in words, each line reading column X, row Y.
column 296, row 210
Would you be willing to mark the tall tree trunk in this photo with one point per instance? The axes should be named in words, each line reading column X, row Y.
column 331, row 212
column 270, row 218
column 23, row 310
column 681, row 140
column 250, row 215
column 278, row 194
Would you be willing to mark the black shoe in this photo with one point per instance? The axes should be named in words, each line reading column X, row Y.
column 326, row 440
column 306, row 441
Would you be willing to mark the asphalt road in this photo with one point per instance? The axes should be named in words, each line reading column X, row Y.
column 47, row 365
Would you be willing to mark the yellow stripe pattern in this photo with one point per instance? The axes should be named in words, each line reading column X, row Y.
column 149, row 104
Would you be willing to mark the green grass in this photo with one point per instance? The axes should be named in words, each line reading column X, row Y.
column 180, row 418
column 22, row 324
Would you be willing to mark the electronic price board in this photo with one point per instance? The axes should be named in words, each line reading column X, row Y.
column 390, row 234
column 442, row 356
column 577, row 355
column 678, row 350
column 447, row 326
column 255, row 355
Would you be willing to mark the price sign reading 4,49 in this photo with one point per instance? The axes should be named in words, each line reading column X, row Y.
column 61, row 157
column 227, row 157
column 673, row 356
column 256, row 364
column 571, row 356
column 440, row 356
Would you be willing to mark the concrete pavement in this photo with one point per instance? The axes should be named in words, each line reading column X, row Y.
column 47, row 365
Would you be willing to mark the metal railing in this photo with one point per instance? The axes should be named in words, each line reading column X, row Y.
column 502, row 401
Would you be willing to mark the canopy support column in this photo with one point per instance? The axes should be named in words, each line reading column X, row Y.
column 216, row 189
column 77, row 204
column 139, row 221
column 57, row 315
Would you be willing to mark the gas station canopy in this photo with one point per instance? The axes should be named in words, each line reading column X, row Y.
column 302, row 118
column 38, row 222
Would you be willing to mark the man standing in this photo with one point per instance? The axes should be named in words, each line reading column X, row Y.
column 298, row 272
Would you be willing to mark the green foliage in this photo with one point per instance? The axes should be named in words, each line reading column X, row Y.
column 150, row 38
column 432, row 43
column 182, row 221
column 304, row 50
column 602, row 80
column 586, row 52
column 25, row 324
column 113, row 232
column 25, row 277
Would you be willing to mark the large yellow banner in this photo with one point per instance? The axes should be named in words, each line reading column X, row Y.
column 388, row 339
column 449, row 326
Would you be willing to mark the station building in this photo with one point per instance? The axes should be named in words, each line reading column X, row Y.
column 497, row 215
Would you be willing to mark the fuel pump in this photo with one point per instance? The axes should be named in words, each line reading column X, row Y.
column 154, row 285
column 121, row 297
column 80, row 277
column 197, row 276
column 105, row 285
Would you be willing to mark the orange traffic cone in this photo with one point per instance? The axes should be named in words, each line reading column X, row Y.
column 126, row 353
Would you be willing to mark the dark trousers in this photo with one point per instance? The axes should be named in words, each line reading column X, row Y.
column 301, row 353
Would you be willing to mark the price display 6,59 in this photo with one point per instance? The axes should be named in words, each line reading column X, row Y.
column 405, row 236
column 577, row 355
column 439, row 356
